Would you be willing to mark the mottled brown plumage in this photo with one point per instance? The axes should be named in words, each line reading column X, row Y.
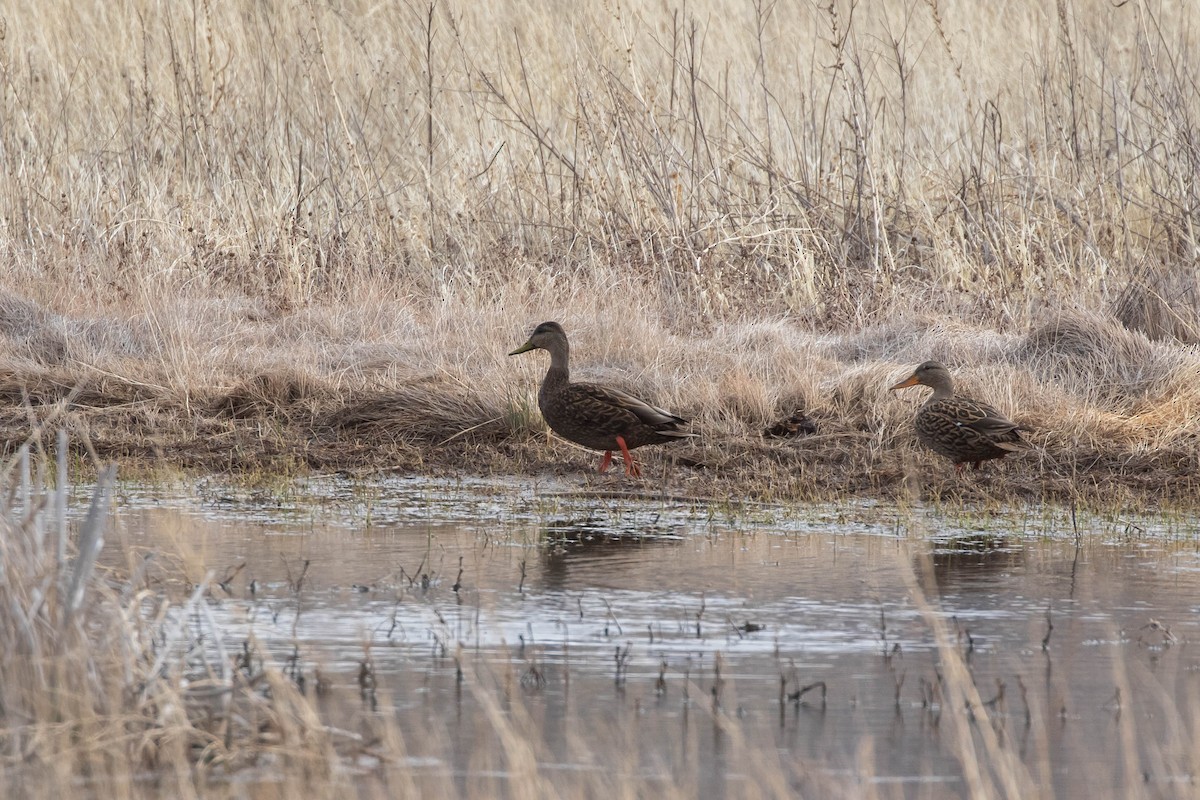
column 597, row 417
column 959, row 428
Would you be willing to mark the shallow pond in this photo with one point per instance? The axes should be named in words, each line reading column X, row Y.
column 660, row 642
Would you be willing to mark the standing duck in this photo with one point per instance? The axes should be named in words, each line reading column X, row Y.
column 597, row 417
column 959, row 428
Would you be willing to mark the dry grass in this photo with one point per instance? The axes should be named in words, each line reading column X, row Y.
column 291, row 236
column 110, row 688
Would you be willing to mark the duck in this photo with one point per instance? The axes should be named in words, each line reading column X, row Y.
column 963, row 430
column 597, row 417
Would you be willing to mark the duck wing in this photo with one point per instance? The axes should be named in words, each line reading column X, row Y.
column 989, row 421
column 962, row 428
column 613, row 410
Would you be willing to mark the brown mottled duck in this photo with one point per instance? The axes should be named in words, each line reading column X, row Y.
column 959, row 428
column 597, row 417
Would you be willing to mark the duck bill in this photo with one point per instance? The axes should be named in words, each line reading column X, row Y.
column 525, row 348
column 911, row 380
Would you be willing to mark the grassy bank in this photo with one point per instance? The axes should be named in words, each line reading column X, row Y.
column 1131, row 434
column 279, row 236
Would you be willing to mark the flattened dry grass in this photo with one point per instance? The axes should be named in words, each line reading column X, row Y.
column 299, row 236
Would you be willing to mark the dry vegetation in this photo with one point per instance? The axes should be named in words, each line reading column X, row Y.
column 102, row 693
column 302, row 235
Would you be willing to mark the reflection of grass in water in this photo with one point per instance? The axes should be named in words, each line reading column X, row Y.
column 98, row 694
column 363, row 501
column 1006, row 738
column 97, row 691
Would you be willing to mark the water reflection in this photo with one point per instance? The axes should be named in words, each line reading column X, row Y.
column 573, row 552
column 971, row 562
column 456, row 611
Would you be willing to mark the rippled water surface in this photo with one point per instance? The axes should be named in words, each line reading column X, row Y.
column 658, row 638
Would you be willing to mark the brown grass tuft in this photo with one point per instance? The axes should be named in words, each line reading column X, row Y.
column 1164, row 305
column 425, row 414
column 1096, row 356
column 286, row 394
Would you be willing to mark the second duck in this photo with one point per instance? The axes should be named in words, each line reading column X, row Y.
column 597, row 417
column 959, row 428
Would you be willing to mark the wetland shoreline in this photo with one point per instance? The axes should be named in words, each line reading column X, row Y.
column 279, row 426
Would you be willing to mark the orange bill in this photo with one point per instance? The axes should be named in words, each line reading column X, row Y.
column 911, row 380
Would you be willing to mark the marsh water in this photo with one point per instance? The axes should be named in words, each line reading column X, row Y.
column 670, row 640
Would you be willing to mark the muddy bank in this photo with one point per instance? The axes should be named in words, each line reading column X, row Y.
column 289, row 423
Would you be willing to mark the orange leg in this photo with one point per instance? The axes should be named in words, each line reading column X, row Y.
column 604, row 462
column 630, row 467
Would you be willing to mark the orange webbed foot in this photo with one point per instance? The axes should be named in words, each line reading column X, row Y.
column 631, row 468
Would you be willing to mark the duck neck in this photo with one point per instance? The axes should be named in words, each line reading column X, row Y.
column 559, row 373
column 943, row 388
